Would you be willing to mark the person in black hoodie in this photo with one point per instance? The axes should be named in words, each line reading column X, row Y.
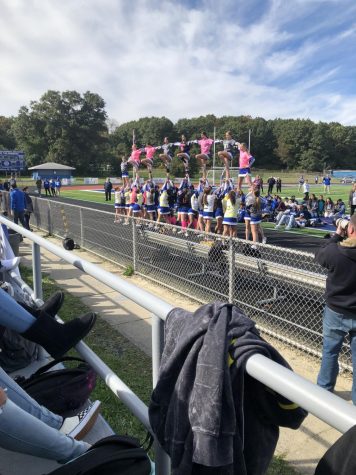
column 338, row 256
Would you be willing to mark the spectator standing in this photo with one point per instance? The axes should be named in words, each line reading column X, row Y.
column 338, row 256
column 39, row 186
column 326, row 183
column 306, row 189
column 300, row 183
column 52, row 185
column 46, row 187
column 12, row 181
column 107, row 189
column 28, row 208
column 261, row 180
column 58, row 185
column 316, row 179
column 6, row 185
column 279, row 185
column 271, row 182
column 17, row 205
column 352, row 199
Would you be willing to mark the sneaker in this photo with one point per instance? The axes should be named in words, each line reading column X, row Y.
column 78, row 426
column 9, row 264
column 288, row 228
column 277, row 226
column 253, row 246
column 264, row 240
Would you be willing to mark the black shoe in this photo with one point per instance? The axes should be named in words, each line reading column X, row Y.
column 53, row 304
column 58, row 338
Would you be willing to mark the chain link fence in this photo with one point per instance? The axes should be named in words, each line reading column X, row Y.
column 281, row 289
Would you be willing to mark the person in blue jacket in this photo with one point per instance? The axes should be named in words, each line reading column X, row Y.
column 18, row 205
column 46, row 187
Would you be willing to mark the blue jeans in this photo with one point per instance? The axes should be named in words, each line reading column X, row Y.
column 12, row 315
column 21, row 432
column 335, row 327
column 29, row 428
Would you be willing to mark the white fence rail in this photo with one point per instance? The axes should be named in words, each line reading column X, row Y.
column 326, row 406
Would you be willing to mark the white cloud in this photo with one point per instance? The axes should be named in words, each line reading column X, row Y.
column 147, row 57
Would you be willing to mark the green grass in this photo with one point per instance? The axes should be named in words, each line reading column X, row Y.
column 128, row 362
column 125, row 359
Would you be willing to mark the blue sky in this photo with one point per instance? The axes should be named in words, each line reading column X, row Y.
column 265, row 58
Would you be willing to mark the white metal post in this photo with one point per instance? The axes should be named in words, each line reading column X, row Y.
column 214, row 148
column 36, row 271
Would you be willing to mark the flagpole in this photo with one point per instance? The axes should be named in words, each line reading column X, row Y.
column 214, row 147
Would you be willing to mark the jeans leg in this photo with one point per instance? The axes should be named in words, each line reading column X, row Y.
column 333, row 337
column 21, row 432
column 353, row 353
column 12, row 315
column 23, row 400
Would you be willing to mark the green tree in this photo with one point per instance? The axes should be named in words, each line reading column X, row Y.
column 7, row 138
column 66, row 128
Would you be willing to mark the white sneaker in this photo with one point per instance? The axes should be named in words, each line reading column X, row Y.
column 288, row 228
column 9, row 264
column 78, row 426
column 264, row 240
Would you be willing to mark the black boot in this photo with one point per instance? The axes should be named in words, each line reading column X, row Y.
column 50, row 306
column 57, row 338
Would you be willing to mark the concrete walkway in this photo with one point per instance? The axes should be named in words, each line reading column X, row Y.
column 302, row 448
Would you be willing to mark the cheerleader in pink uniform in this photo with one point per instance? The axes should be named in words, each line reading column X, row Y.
column 205, row 151
column 135, row 158
column 148, row 160
column 245, row 162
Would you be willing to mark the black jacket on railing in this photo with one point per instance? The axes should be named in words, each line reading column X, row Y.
column 205, row 410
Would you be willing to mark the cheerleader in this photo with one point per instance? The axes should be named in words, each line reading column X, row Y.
column 148, row 160
column 135, row 158
column 228, row 153
column 184, row 153
column 249, row 200
column 164, row 210
column 200, row 189
column 150, row 204
column 209, row 200
column 245, row 162
column 205, row 151
column 124, row 171
column 256, row 217
column 167, row 154
column 193, row 212
column 119, row 197
column 231, row 206
column 183, row 200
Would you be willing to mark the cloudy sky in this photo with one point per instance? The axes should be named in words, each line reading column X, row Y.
column 184, row 58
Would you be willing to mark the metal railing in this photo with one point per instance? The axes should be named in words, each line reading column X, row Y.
column 323, row 404
column 281, row 289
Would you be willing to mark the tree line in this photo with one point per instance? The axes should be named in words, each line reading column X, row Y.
column 74, row 129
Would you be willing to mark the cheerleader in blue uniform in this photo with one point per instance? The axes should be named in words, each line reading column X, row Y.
column 167, row 155
column 256, row 217
column 164, row 210
column 209, row 200
column 184, row 153
column 124, row 171
column 193, row 212
column 229, row 152
column 119, row 198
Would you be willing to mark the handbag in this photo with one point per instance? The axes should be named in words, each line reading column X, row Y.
column 62, row 391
